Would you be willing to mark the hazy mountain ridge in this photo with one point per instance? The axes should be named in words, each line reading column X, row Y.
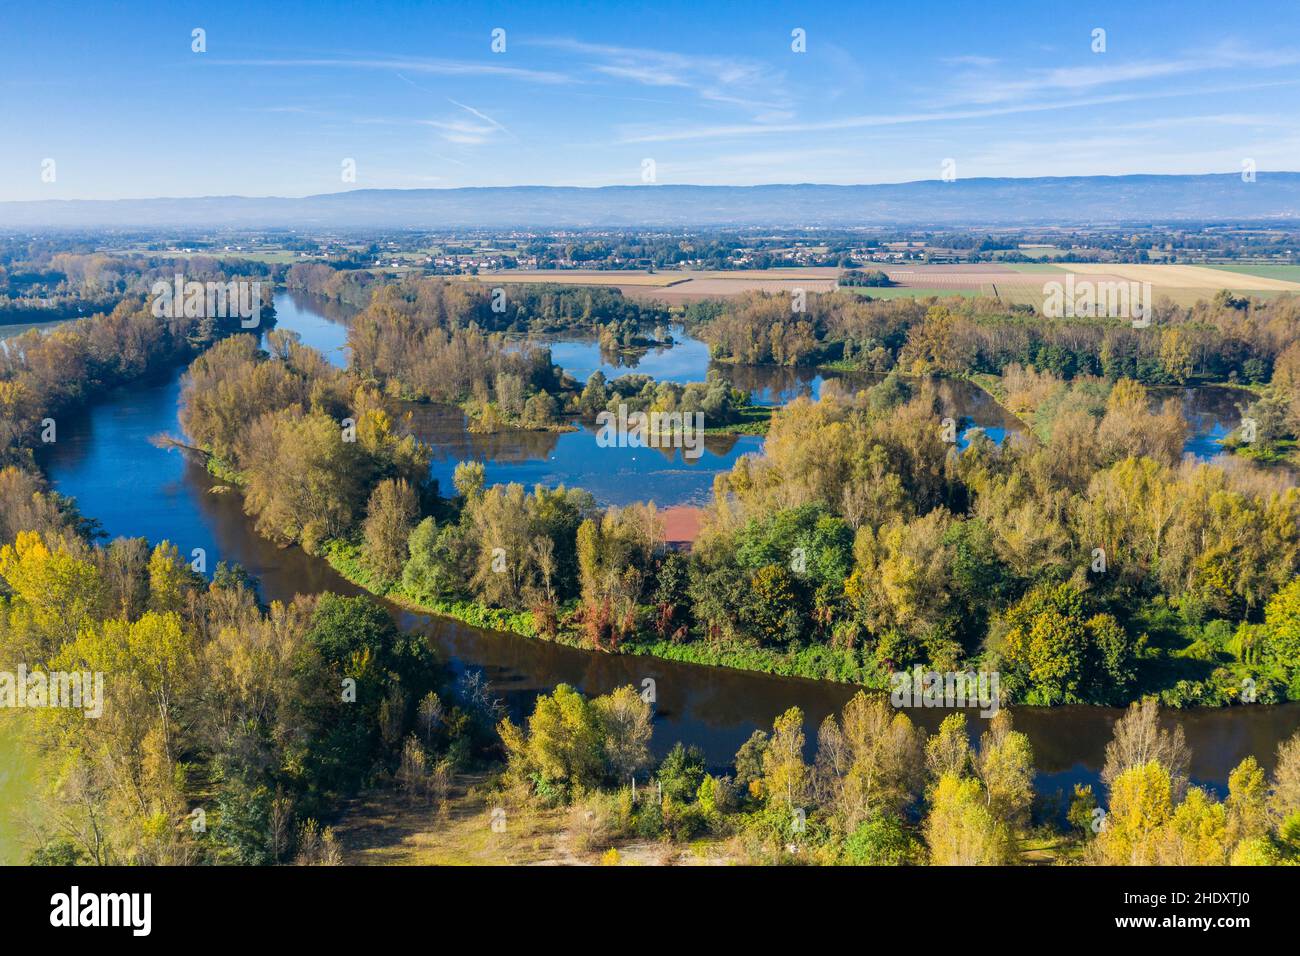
column 1069, row 199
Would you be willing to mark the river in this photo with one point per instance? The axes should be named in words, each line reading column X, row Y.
column 105, row 460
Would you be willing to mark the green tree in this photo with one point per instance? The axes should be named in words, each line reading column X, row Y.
column 390, row 513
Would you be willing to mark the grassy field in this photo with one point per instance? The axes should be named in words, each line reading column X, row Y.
column 1187, row 277
column 386, row 828
column 1287, row 273
column 1013, row 283
column 17, row 788
column 1034, row 267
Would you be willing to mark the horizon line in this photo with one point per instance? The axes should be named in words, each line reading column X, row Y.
column 638, row 186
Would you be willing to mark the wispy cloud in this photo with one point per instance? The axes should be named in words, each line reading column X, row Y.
column 726, row 131
column 480, row 115
column 467, row 132
column 724, row 80
column 1106, row 69
column 429, row 66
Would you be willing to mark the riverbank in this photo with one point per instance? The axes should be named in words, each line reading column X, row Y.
column 811, row 662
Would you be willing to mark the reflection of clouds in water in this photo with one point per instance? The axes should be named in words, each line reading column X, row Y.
column 687, row 360
column 574, row 459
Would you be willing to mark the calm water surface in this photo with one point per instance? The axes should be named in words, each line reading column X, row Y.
column 105, row 460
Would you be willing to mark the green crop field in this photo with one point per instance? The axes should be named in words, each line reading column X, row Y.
column 1289, row 273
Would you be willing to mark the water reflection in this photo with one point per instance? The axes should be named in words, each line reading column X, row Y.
column 615, row 476
column 319, row 322
column 1211, row 412
column 104, row 459
column 685, row 361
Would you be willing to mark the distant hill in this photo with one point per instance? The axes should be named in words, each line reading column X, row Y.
column 1073, row 200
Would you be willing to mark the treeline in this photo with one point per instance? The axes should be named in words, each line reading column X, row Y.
column 1225, row 339
column 871, row 278
column 1087, row 566
column 880, row 792
column 421, row 341
column 1084, row 565
column 306, row 442
column 427, row 339
column 1084, row 561
column 348, row 285
column 714, row 398
column 44, row 374
column 277, row 425
column 513, row 307
column 49, row 285
column 228, row 732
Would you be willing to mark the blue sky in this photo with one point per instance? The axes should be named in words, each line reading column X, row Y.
column 585, row 92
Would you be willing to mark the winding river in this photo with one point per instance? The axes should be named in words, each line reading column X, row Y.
column 105, row 460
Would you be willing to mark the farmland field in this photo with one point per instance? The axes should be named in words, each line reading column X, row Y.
column 603, row 278
column 1187, row 277
column 1290, row 273
column 1012, row 283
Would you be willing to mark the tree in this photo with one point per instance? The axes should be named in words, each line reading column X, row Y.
column 1141, row 803
column 773, row 612
column 785, row 775
column 625, row 720
column 868, row 762
column 882, row 840
column 1139, row 740
column 1197, row 834
column 469, row 478
column 390, row 513
column 1046, row 645
column 1005, row 765
column 1247, row 803
column 948, row 751
column 961, row 830
column 425, row 575
column 559, row 754
column 54, row 596
column 681, row 773
column 1282, row 628
column 1285, row 799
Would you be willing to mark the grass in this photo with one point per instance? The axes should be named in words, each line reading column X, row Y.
column 387, row 828
column 270, row 256
column 345, row 558
column 814, row 662
column 1287, row 273
column 17, row 793
column 754, row 420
